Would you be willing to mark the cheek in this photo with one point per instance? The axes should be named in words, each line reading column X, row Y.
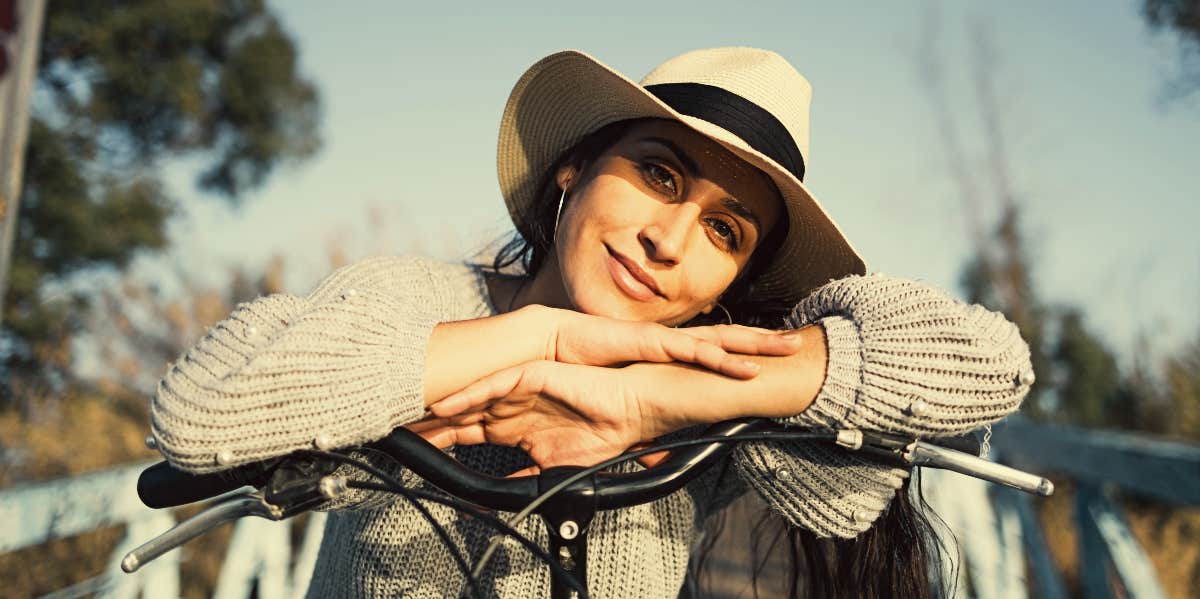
column 706, row 280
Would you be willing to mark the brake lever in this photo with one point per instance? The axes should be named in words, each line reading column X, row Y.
column 925, row 454
column 908, row 452
column 294, row 486
column 225, row 510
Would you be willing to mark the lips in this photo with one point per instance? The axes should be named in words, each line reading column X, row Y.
column 630, row 277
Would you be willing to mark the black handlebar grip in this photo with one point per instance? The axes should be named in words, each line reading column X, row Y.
column 161, row 485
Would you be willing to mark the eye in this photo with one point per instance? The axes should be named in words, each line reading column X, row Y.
column 726, row 233
column 661, row 177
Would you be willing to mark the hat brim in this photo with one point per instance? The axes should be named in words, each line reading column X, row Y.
column 567, row 95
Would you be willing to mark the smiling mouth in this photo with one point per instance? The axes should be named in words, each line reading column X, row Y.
column 630, row 278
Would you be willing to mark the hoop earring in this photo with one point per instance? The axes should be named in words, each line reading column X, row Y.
column 558, row 214
column 728, row 317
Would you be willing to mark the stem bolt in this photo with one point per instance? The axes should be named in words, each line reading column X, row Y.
column 568, row 530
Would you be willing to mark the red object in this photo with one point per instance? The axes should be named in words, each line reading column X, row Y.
column 8, row 15
column 8, row 24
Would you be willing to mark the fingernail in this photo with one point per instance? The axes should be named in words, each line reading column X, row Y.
column 753, row 366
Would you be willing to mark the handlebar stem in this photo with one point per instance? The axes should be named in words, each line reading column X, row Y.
column 568, row 515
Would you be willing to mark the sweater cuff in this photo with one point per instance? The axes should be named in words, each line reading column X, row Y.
column 836, row 402
column 821, row 488
column 281, row 374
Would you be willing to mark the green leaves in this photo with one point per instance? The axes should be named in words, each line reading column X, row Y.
column 123, row 88
column 161, row 79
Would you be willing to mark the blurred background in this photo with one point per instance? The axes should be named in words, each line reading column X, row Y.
column 162, row 161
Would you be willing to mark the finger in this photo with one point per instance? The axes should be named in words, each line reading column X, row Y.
column 530, row 471
column 752, row 340
column 440, row 438
column 467, row 418
column 426, row 424
column 433, row 422
column 478, row 394
column 651, row 460
column 747, row 340
column 450, row 436
column 683, row 348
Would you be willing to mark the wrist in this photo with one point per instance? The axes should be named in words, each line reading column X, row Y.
column 670, row 400
column 540, row 324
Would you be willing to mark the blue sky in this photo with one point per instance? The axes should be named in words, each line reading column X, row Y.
column 1107, row 176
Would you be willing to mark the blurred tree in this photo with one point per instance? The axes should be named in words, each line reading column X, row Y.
column 1089, row 384
column 999, row 276
column 1182, row 17
column 1183, row 387
column 124, row 86
column 1078, row 376
column 999, row 273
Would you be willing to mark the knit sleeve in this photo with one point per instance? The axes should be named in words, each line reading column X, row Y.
column 906, row 358
column 339, row 367
column 903, row 357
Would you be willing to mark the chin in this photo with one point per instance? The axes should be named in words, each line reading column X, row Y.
column 603, row 304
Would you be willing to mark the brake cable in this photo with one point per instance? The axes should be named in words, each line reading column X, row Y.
column 391, row 484
column 520, row 517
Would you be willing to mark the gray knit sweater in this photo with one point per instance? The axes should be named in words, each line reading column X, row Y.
column 344, row 365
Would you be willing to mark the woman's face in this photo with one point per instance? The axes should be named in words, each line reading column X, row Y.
column 657, row 227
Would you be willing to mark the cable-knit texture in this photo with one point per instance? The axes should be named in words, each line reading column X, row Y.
column 962, row 363
column 902, row 357
column 345, row 364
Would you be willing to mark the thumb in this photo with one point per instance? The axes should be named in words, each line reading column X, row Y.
column 530, row 471
column 649, row 460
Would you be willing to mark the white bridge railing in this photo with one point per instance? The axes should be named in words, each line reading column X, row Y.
column 996, row 528
column 259, row 552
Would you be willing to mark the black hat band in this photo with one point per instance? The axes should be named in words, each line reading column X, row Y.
column 745, row 119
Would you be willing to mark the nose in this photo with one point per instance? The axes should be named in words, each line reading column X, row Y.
column 665, row 238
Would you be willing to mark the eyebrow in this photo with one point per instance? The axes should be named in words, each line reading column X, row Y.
column 729, row 202
column 741, row 210
column 683, row 157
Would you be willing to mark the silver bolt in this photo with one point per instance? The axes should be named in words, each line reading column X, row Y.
column 568, row 530
column 151, row 442
column 918, row 408
column 1026, row 378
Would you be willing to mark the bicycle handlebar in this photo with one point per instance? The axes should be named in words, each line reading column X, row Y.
column 161, row 485
column 304, row 479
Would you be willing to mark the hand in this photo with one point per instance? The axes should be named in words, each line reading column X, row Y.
column 598, row 341
column 560, row 414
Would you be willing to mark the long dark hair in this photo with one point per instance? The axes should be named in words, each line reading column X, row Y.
column 898, row 556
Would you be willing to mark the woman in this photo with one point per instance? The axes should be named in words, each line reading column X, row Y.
column 641, row 207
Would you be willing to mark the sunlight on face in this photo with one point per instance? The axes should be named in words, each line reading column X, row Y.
column 658, row 226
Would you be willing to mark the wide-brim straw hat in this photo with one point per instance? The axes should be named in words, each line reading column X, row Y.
column 750, row 101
